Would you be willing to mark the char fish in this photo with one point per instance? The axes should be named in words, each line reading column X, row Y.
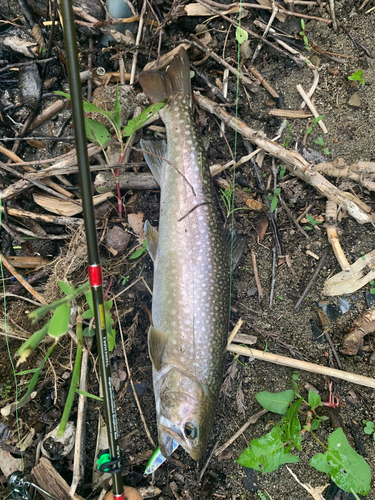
column 191, row 255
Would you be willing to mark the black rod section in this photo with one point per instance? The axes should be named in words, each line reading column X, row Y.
column 94, row 267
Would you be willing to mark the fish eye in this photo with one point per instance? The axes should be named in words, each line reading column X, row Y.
column 191, row 432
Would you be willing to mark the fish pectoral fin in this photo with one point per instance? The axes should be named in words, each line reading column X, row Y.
column 157, row 341
column 154, row 153
column 236, row 247
column 152, row 236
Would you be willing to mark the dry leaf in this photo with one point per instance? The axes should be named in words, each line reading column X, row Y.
column 8, row 464
column 63, row 207
column 136, row 224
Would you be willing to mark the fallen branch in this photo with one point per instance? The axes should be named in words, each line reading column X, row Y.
column 294, row 162
column 296, row 364
column 23, row 282
column 354, row 172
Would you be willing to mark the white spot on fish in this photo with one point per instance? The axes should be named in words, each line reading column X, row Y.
column 189, row 141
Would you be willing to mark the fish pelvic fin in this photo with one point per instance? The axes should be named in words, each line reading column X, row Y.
column 157, row 341
column 234, row 248
column 152, row 236
column 159, row 86
column 155, row 152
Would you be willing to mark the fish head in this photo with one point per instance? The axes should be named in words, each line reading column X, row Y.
column 182, row 415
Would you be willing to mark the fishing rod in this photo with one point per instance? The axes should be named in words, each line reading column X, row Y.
column 111, row 461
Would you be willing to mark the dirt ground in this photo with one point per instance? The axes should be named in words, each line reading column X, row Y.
column 281, row 329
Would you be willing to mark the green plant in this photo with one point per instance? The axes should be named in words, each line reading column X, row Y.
column 6, row 391
column 89, row 331
column 312, row 221
column 227, row 196
column 99, row 134
column 263, row 497
column 274, row 198
column 344, row 465
column 125, row 279
column 372, row 290
column 303, row 35
column 357, row 76
column 369, row 428
column 288, row 136
column 320, row 142
column 140, row 251
column 363, row 255
column 314, row 122
column 282, row 171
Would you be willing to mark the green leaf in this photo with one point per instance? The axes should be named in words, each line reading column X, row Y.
column 303, row 24
column 314, row 400
column 88, row 314
column 326, row 151
column 267, row 453
column 136, row 123
column 117, row 112
column 315, row 423
column 26, row 372
column 35, row 377
column 295, row 389
column 60, row 321
column 307, row 228
column 111, row 333
column 277, row 191
column 108, row 304
column 89, row 300
column 88, row 394
column 88, row 332
column 344, row 466
column 292, row 426
column 241, row 35
column 282, row 171
column 97, row 132
column 65, row 287
column 370, row 424
column 276, row 402
column 318, row 119
column 273, row 203
column 88, row 107
column 140, row 251
column 308, row 131
column 358, row 77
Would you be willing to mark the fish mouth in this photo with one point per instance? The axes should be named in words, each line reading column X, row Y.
column 171, row 434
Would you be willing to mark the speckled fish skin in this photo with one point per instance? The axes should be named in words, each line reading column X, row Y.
column 191, row 287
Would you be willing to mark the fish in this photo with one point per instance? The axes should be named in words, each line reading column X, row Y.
column 192, row 256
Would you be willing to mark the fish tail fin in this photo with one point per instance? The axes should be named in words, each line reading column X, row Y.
column 160, row 86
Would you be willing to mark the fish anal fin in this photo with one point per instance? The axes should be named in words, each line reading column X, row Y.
column 234, row 248
column 152, row 235
column 157, row 341
column 154, row 153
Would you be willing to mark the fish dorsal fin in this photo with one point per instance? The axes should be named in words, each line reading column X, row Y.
column 157, row 341
column 152, row 235
column 155, row 161
column 159, row 86
column 236, row 248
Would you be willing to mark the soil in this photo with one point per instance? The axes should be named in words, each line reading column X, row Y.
column 279, row 329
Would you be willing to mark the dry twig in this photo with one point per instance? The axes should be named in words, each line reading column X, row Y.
column 333, row 238
column 296, row 364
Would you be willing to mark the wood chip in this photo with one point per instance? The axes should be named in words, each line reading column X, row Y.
column 291, row 113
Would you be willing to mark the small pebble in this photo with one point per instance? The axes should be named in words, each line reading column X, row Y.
column 355, row 100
